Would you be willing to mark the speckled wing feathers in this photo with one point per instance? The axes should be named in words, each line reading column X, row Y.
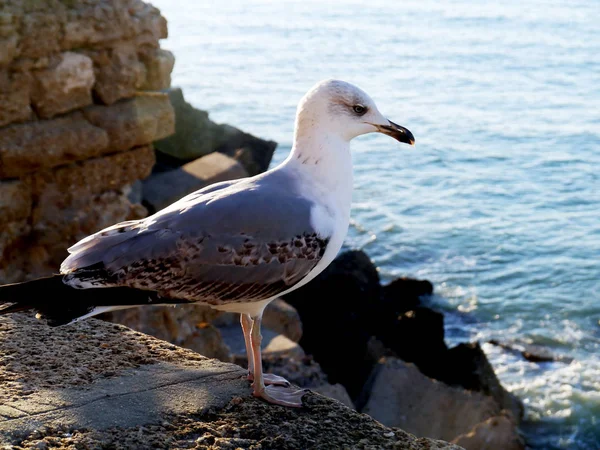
column 238, row 243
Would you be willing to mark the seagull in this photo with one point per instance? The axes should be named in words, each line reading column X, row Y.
column 235, row 245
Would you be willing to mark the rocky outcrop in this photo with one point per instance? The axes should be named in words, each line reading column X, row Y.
column 196, row 136
column 350, row 322
column 337, row 309
column 75, row 128
column 101, row 385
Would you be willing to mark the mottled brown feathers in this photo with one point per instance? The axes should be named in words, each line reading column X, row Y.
column 201, row 270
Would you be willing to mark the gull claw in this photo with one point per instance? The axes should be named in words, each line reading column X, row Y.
column 277, row 395
column 271, row 379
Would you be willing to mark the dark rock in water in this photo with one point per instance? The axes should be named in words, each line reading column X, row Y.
column 536, row 357
column 532, row 353
column 403, row 294
column 345, row 308
column 196, row 135
column 417, row 336
column 338, row 309
column 467, row 366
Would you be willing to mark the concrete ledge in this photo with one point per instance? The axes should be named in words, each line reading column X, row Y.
column 101, row 385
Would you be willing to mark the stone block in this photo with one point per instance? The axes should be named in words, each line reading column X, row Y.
column 64, row 87
column 15, row 200
column 159, row 65
column 91, row 24
column 134, row 122
column 149, row 25
column 41, row 30
column 15, row 97
column 28, row 147
column 118, row 70
column 8, row 49
column 13, row 258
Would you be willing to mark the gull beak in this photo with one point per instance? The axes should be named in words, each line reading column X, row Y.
column 396, row 131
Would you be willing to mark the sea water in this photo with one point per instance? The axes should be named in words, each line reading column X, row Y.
column 499, row 203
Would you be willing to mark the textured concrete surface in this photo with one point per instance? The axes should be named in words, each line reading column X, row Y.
column 98, row 385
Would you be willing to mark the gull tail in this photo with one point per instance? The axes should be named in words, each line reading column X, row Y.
column 61, row 304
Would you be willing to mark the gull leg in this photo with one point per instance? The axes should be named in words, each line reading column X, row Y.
column 268, row 378
column 273, row 394
column 246, row 322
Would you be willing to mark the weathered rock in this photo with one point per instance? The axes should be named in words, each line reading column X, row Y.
column 15, row 200
column 272, row 344
column 164, row 188
column 159, row 65
column 283, row 318
column 401, row 396
column 337, row 309
column 172, row 324
column 95, row 384
column 27, row 147
column 196, row 135
column 64, row 87
column 119, row 72
column 134, row 122
column 207, row 340
column 15, row 94
column 469, row 367
column 496, row 432
column 336, row 392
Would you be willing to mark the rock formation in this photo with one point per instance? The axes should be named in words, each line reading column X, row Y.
column 76, row 122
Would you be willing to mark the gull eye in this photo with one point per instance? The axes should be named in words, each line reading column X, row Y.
column 359, row 109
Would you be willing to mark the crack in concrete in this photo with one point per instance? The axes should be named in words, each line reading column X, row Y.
column 122, row 394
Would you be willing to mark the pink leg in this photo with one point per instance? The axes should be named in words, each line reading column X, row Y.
column 246, row 321
column 272, row 394
column 268, row 378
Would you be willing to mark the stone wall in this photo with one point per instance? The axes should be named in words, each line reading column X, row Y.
column 77, row 122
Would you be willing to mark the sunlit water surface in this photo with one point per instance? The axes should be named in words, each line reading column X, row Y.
column 498, row 205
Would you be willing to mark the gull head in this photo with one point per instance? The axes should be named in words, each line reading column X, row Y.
column 345, row 110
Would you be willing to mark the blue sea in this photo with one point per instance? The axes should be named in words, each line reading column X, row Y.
column 499, row 203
